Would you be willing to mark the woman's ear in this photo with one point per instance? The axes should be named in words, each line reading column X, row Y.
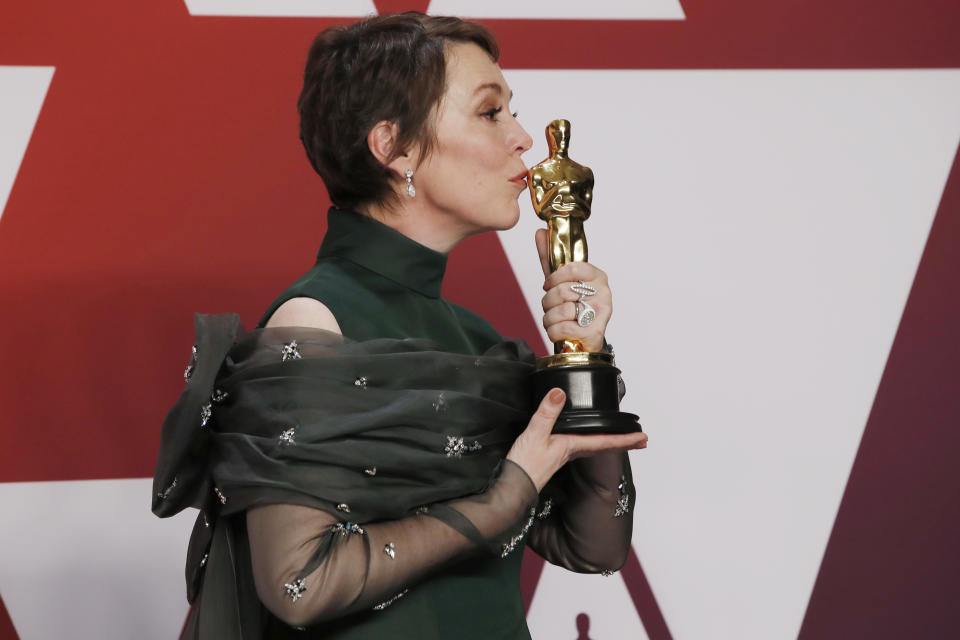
column 381, row 141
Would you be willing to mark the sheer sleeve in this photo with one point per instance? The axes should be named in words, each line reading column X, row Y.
column 309, row 566
column 584, row 523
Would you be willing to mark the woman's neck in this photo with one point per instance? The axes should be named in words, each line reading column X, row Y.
column 427, row 226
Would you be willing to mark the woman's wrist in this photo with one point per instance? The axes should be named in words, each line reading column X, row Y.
column 534, row 488
column 537, row 479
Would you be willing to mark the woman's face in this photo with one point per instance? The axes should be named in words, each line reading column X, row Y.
column 474, row 174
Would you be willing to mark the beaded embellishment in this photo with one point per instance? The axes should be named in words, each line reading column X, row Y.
column 623, row 502
column 290, row 351
column 383, row 605
column 188, row 372
column 346, row 528
column 205, row 412
column 456, row 447
column 545, row 511
column 295, row 589
column 511, row 544
column 166, row 492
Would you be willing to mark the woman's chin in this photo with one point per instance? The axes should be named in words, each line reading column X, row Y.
column 501, row 220
column 511, row 220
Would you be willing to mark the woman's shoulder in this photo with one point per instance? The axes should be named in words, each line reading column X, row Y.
column 304, row 312
column 314, row 294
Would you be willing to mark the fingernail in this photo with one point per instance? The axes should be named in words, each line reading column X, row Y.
column 556, row 396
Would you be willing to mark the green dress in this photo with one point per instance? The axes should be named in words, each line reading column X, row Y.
column 380, row 452
column 380, row 284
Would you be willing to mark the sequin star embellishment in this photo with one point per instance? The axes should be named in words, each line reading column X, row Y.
column 387, row 603
column 290, row 351
column 545, row 509
column 205, row 412
column 346, row 528
column 390, row 549
column 288, row 436
column 623, row 506
column 222, row 498
column 295, row 589
column 188, row 372
column 163, row 495
column 218, row 396
column 512, row 543
column 456, row 447
column 623, row 503
column 360, row 382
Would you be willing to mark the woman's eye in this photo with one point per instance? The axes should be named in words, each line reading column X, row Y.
column 492, row 113
column 515, row 114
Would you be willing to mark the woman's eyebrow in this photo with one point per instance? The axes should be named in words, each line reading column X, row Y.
column 491, row 85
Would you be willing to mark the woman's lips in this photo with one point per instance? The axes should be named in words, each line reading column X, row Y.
column 520, row 179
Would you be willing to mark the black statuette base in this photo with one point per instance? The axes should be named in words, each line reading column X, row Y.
column 593, row 403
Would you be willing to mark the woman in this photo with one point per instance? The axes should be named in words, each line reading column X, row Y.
column 374, row 442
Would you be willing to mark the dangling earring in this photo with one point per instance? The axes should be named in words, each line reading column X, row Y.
column 411, row 191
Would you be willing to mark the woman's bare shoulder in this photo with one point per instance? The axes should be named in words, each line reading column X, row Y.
column 304, row 312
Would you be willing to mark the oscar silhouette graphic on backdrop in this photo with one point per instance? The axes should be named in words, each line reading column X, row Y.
column 583, row 627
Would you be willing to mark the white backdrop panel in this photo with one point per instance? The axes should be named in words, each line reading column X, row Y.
column 562, row 595
column 761, row 230
column 87, row 559
column 286, row 8
column 561, row 9
column 22, row 91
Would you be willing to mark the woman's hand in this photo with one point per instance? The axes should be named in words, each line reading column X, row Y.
column 541, row 453
column 559, row 303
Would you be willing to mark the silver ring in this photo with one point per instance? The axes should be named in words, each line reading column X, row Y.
column 585, row 314
column 583, row 289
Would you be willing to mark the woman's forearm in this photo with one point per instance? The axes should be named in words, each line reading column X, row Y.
column 590, row 523
column 308, row 566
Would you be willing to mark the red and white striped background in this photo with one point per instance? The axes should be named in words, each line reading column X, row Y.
column 778, row 206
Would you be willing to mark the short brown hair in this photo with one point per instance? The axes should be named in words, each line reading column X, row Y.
column 389, row 68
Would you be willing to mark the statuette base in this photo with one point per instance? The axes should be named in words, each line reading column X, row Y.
column 590, row 382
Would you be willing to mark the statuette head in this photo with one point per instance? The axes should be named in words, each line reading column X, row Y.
column 558, row 137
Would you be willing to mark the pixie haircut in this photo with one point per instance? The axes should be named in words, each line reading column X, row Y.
column 389, row 68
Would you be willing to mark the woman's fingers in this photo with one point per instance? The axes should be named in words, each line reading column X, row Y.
column 580, row 445
column 559, row 314
column 540, row 452
column 570, row 330
column 541, row 423
column 542, row 239
column 559, row 295
column 574, row 271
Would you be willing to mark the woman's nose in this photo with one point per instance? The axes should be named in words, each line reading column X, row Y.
column 521, row 139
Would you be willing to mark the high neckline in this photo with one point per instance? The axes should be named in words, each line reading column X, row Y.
column 383, row 250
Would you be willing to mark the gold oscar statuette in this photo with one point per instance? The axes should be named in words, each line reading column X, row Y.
column 562, row 194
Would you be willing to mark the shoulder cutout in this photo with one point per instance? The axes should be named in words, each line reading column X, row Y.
column 304, row 312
